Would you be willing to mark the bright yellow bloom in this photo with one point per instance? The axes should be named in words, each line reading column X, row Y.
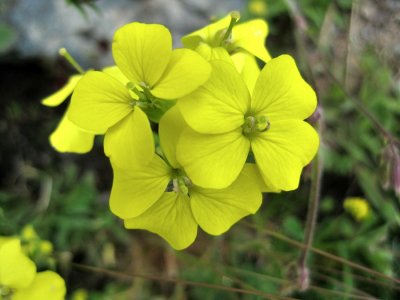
column 143, row 53
column 18, row 277
column 138, row 194
column 357, row 207
column 258, row 7
column 248, row 37
column 227, row 122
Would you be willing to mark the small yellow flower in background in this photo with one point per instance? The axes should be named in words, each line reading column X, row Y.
column 29, row 233
column 357, row 207
column 258, row 7
column 80, row 294
column 18, row 277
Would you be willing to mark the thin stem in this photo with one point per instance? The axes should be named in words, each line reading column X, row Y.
column 235, row 16
column 178, row 281
column 328, row 255
column 64, row 53
column 303, row 35
column 311, row 221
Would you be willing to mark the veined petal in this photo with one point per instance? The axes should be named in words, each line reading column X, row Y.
column 46, row 285
column 206, row 34
column 16, row 270
column 115, row 72
column 142, row 51
column 170, row 129
column 134, row 190
column 282, row 151
column 171, row 218
column 248, row 68
column 58, row 97
column 185, row 72
column 213, row 53
column 70, row 138
column 220, row 104
column 216, row 210
column 250, row 36
column 129, row 143
column 281, row 93
column 212, row 160
column 98, row 102
column 263, row 184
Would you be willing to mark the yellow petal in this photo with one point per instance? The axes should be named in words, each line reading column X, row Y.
column 142, row 51
column 220, row 104
column 206, row 34
column 212, row 160
column 58, row 97
column 281, row 93
column 135, row 189
column 16, row 270
column 115, row 72
column 283, row 151
column 216, row 210
column 46, row 285
column 251, row 36
column 70, row 138
column 263, row 184
column 98, row 102
column 170, row 129
column 171, row 218
column 248, row 68
column 213, row 53
column 185, row 72
column 129, row 143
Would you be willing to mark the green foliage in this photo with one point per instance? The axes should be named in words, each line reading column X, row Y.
column 8, row 36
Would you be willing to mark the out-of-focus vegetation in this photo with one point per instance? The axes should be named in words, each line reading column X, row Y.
column 64, row 197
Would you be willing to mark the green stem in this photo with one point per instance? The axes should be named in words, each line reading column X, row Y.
column 235, row 16
column 64, row 53
column 312, row 213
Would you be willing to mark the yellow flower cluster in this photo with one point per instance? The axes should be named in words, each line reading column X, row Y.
column 19, row 279
column 225, row 131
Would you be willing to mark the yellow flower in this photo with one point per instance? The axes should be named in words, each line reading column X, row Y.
column 258, row 7
column 248, row 37
column 357, row 207
column 139, row 193
column 227, row 122
column 143, row 53
column 18, row 277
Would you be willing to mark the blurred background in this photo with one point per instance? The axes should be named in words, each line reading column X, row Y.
column 349, row 51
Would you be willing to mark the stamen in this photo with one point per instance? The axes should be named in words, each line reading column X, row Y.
column 64, row 53
column 255, row 124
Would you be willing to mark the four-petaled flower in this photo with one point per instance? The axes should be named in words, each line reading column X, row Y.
column 143, row 53
column 227, row 122
column 161, row 198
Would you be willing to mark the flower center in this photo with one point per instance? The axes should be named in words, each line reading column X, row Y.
column 181, row 183
column 5, row 292
column 255, row 124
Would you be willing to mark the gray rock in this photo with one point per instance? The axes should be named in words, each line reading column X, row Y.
column 44, row 26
